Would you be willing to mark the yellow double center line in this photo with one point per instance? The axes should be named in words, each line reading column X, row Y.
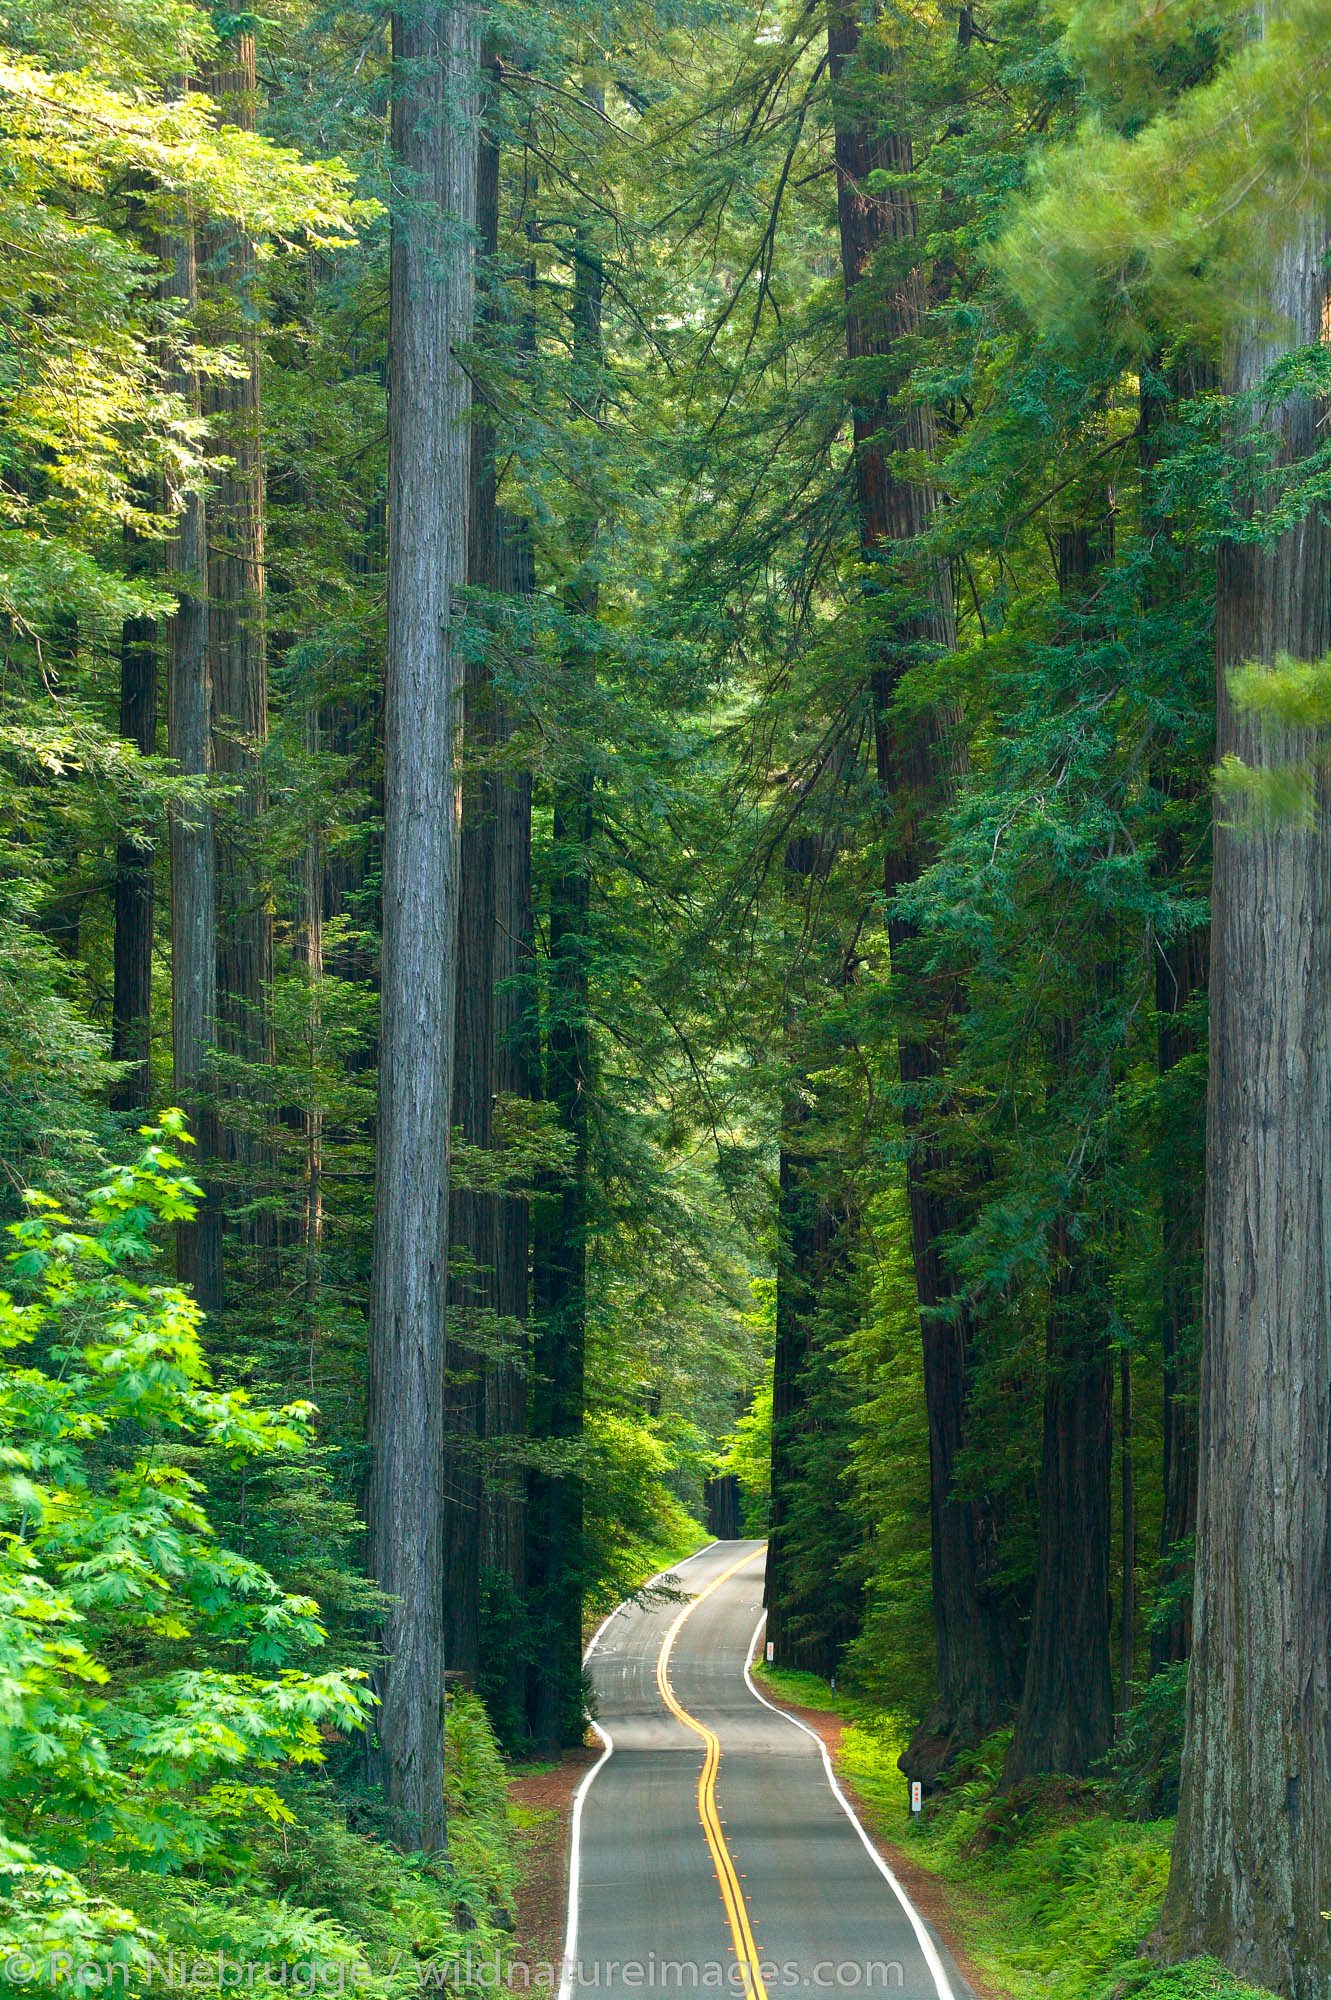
column 746, row 1951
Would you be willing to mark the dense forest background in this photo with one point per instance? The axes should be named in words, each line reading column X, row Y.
column 872, row 419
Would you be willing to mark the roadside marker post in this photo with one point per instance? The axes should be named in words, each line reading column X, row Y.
column 771, row 1651
column 916, row 1795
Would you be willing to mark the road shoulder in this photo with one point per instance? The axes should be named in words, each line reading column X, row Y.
column 542, row 1803
column 941, row 1904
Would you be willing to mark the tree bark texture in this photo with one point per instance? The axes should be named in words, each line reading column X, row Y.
column 193, row 862
column 1181, row 972
column 516, row 1036
column 1066, row 1718
column 1252, row 1846
column 238, row 655
column 132, row 897
column 561, row 1301
column 918, row 762
column 432, row 289
column 812, row 1242
column 721, row 1510
column 516, row 1058
column 472, row 1247
column 1127, row 1614
column 1065, row 1721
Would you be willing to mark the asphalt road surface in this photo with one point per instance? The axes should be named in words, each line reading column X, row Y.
column 710, row 1851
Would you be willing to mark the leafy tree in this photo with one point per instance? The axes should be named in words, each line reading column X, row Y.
column 151, row 1676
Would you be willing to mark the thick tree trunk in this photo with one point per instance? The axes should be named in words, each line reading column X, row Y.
column 1181, row 973
column 561, row 1286
column 435, row 68
column 516, row 1054
column 1180, row 978
column 918, row 761
column 132, row 901
column 1066, row 1718
column 721, row 1507
column 811, row 1239
column 1252, row 1846
column 193, row 863
column 561, row 1297
column 473, row 1219
column 312, row 1118
column 1127, row 1613
column 238, row 658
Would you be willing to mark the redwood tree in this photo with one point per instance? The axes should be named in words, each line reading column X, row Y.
column 193, row 862
column 431, row 304
column 132, row 894
column 1248, row 1881
column 237, row 641
column 560, row 1286
column 1065, row 1721
column 918, row 760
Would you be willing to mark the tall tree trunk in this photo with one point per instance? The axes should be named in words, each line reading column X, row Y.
column 561, row 1302
column 238, row 656
column 132, row 899
column 312, row 925
column 516, row 1051
column 1065, row 1721
column 193, row 863
column 918, row 761
column 804, row 1237
column 1127, row 1613
column 1181, row 974
column 1066, row 1718
column 813, row 1242
column 1180, row 978
column 1253, row 1839
column 431, row 302
column 472, row 1225
column 517, row 1075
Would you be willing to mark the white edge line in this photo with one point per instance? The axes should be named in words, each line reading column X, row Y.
column 575, row 1828
column 926, row 1943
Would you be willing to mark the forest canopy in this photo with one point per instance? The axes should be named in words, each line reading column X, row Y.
column 662, row 797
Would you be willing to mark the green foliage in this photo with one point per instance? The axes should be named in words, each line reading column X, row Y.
column 716, row 654
column 312, row 1880
column 1295, row 694
column 1056, row 1894
column 1146, row 1759
column 748, row 1455
column 634, row 1524
column 1172, row 225
column 1287, row 697
column 149, row 1674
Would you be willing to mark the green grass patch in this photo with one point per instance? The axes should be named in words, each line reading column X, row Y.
column 1055, row 1892
column 802, row 1690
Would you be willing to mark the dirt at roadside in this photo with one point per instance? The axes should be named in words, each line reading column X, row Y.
column 539, row 1918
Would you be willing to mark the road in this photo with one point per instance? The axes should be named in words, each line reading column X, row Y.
column 709, row 1837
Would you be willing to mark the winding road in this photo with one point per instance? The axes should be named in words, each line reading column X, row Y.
column 711, row 1849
